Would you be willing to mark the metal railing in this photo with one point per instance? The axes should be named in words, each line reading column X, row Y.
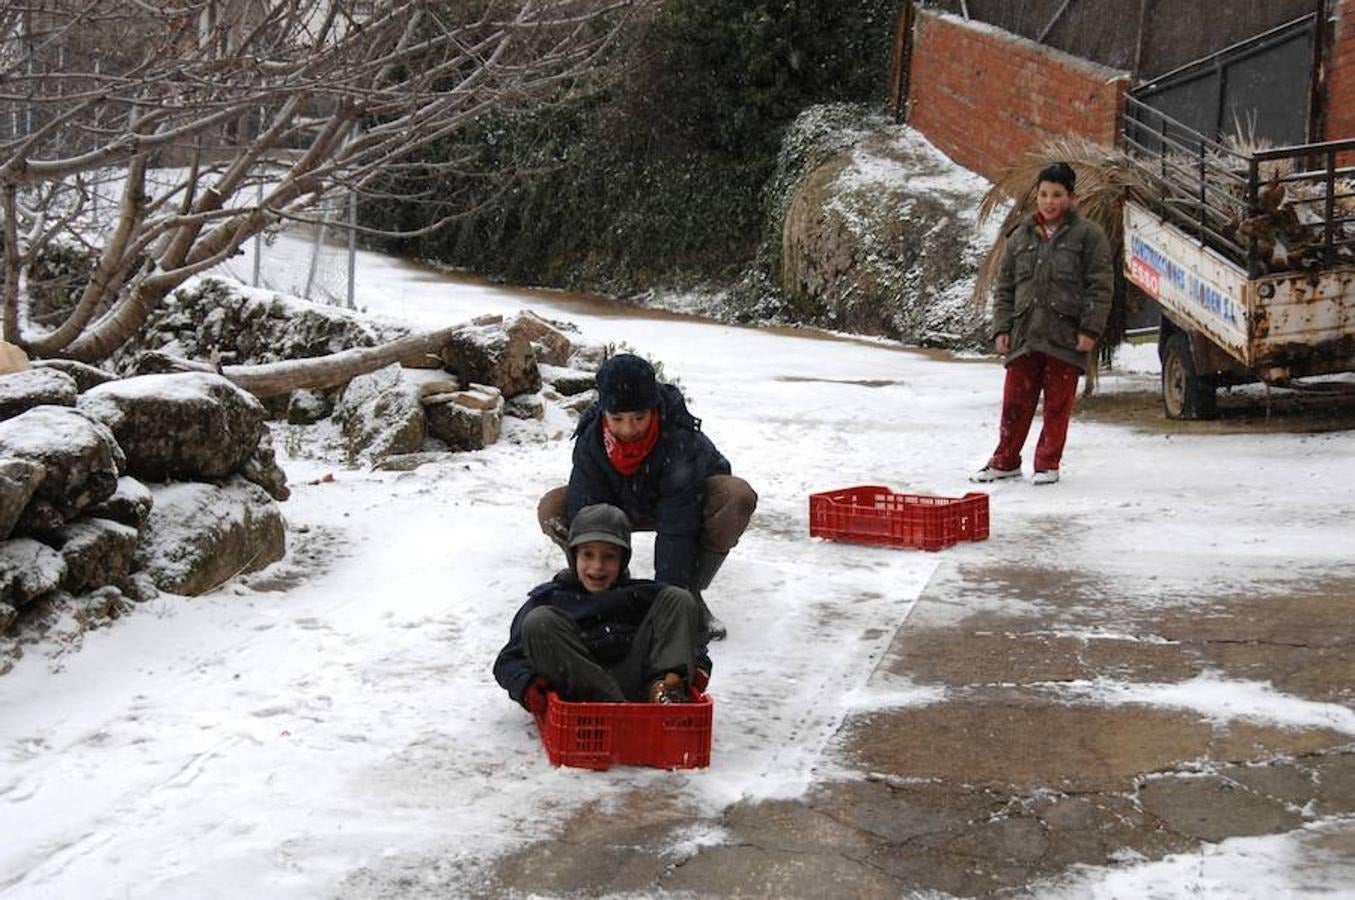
column 1215, row 192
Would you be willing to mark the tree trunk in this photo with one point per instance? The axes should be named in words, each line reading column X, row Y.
column 272, row 379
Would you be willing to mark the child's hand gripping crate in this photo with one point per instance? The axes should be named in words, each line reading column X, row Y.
column 598, row 735
column 872, row 514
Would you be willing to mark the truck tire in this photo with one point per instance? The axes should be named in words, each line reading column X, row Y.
column 1185, row 395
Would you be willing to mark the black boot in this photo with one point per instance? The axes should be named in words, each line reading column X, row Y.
column 708, row 562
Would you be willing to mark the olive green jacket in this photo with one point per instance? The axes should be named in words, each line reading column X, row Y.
column 1049, row 290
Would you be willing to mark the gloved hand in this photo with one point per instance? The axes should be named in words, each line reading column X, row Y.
column 534, row 696
column 700, row 679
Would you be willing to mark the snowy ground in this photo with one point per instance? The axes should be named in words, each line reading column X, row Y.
column 331, row 727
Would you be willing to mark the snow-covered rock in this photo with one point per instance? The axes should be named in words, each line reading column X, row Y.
column 21, row 391
column 199, row 535
column 465, row 420
column 494, row 354
column 247, row 325
column 552, row 345
column 381, row 414
column 183, row 425
column 28, row 569
column 80, row 457
column 879, row 238
column 262, row 468
column 526, row 406
column 569, row 381
column 130, row 503
column 97, row 552
column 306, row 407
column 85, row 375
column 19, row 478
column 431, row 381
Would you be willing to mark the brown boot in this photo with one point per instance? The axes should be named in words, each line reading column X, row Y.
column 668, row 689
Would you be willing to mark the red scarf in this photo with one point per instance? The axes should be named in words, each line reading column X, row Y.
column 627, row 456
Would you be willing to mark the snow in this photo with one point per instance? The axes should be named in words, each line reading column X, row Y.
column 50, row 432
column 332, row 721
column 1252, row 868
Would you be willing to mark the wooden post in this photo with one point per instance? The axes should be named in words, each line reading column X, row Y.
column 1317, row 81
column 903, row 62
column 1138, row 41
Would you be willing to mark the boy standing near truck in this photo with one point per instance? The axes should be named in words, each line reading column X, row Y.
column 1050, row 307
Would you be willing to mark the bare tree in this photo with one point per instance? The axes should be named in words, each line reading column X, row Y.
column 163, row 134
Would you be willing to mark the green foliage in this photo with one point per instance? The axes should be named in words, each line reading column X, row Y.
column 659, row 174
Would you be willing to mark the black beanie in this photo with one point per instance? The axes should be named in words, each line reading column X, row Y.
column 626, row 383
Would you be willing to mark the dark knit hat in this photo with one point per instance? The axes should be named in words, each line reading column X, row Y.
column 626, row 383
column 600, row 522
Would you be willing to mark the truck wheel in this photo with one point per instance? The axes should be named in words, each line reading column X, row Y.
column 1185, row 395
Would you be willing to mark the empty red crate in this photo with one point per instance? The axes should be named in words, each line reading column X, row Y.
column 871, row 514
column 598, row 735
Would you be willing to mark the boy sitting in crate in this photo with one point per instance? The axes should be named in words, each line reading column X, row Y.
column 593, row 633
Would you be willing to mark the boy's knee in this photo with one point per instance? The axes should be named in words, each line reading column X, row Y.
column 550, row 513
column 744, row 499
column 541, row 622
column 678, row 600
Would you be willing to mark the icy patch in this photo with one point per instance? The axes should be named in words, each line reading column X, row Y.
column 1219, row 701
column 1251, row 868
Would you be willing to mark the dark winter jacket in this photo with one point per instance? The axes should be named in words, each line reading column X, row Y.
column 608, row 620
column 1049, row 290
column 667, row 494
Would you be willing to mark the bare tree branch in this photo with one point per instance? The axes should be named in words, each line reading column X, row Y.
column 247, row 114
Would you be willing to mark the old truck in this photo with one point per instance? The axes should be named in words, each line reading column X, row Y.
column 1250, row 257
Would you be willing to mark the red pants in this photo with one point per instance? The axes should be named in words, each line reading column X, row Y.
column 1027, row 376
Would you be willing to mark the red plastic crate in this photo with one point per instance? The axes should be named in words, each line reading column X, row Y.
column 872, row 514
column 599, row 735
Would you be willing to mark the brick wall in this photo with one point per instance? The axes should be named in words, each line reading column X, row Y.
column 984, row 95
column 1340, row 118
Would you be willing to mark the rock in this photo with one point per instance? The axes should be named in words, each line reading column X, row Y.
column 381, row 414
column 200, row 535
column 491, row 354
column 98, row 607
column 306, row 407
column 553, row 347
column 477, row 396
column 12, row 358
column 85, row 375
column 97, row 552
column 19, row 478
column 262, row 469
column 569, row 382
column 580, row 402
column 130, row 504
column 140, row 587
column 432, row 382
column 81, row 459
column 245, row 328
column 463, row 427
column 876, row 238
column 8, row 616
column 28, row 569
column 587, row 356
column 62, row 619
column 187, row 425
column 525, row 406
column 21, row 391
